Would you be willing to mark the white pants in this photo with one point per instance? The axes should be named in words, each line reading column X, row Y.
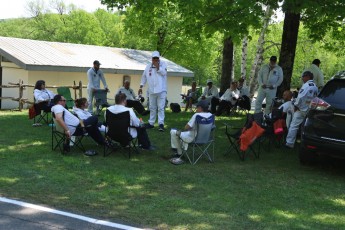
column 297, row 119
column 157, row 102
column 176, row 140
column 90, row 100
column 269, row 94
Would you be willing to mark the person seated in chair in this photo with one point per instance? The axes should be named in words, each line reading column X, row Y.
column 132, row 102
column 244, row 99
column 226, row 101
column 209, row 92
column 80, row 109
column 72, row 125
column 287, row 107
column 43, row 96
column 191, row 96
column 189, row 132
column 136, row 130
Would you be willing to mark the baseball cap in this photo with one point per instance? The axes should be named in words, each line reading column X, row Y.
column 273, row 58
column 96, row 62
column 209, row 81
column 155, row 54
column 203, row 104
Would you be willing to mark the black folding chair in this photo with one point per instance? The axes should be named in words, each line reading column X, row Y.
column 118, row 130
column 235, row 135
column 60, row 138
column 42, row 112
column 101, row 100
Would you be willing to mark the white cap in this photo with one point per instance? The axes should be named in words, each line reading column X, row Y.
column 155, row 54
column 209, row 81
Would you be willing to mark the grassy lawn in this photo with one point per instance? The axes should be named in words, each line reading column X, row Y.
column 273, row 192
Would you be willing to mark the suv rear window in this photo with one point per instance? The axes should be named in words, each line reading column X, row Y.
column 334, row 93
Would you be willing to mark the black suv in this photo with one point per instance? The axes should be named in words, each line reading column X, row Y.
column 323, row 131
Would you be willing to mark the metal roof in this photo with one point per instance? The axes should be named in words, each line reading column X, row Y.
column 68, row 57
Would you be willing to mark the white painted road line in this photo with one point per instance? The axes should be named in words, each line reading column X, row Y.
column 68, row 214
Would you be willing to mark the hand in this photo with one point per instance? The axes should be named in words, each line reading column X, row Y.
column 93, row 90
column 203, row 97
column 140, row 91
column 68, row 134
column 271, row 87
column 106, row 89
column 263, row 86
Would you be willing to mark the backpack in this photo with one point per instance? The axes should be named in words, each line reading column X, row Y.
column 175, row 107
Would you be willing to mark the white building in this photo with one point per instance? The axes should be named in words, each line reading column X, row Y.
column 62, row 63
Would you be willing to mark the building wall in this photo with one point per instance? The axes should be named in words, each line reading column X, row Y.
column 12, row 73
column 114, row 81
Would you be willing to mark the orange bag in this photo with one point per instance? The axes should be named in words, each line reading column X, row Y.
column 250, row 135
column 32, row 112
column 279, row 126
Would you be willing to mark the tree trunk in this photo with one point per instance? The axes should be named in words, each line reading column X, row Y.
column 228, row 52
column 288, row 49
column 244, row 57
column 259, row 53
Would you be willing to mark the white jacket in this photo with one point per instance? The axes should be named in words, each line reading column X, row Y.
column 156, row 79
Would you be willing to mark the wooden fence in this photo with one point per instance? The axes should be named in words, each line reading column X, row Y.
column 21, row 87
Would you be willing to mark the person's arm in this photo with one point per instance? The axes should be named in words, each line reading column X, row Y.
column 90, row 76
column 235, row 94
column 260, row 73
column 280, row 78
column 143, row 80
column 190, row 123
column 162, row 69
column 135, row 120
column 61, row 122
column 302, row 92
column 37, row 95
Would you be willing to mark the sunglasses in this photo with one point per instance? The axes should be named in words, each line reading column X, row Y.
column 155, row 58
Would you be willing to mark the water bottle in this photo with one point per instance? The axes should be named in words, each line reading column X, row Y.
column 141, row 123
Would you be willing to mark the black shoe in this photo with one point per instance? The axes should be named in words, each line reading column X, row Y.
column 176, row 155
column 146, row 112
column 66, row 147
column 161, row 128
column 149, row 126
column 151, row 148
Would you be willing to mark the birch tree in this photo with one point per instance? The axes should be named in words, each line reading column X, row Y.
column 259, row 52
column 244, row 57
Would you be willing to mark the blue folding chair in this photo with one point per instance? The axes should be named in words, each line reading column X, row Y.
column 203, row 141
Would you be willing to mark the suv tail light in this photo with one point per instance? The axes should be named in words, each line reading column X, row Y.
column 319, row 104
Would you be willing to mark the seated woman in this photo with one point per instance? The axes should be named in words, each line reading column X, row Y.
column 81, row 111
column 191, row 96
column 226, row 101
column 43, row 96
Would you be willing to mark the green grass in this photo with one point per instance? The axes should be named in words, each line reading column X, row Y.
column 273, row 192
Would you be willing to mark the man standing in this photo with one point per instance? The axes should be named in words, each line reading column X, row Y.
column 270, row 77
column 318, row 76
column 155, row 74
column 305, row 95
column 132, row 102
column 94, row 76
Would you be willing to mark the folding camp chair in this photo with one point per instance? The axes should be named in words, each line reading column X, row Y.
column 41, row 114
column 246, row 139
column 118, row 130
column 203, row 141
column 66, row 93
column 101, row 102
column 60, row 139
column 198, row 93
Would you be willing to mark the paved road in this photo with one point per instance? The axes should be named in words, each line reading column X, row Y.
column 16, row 215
